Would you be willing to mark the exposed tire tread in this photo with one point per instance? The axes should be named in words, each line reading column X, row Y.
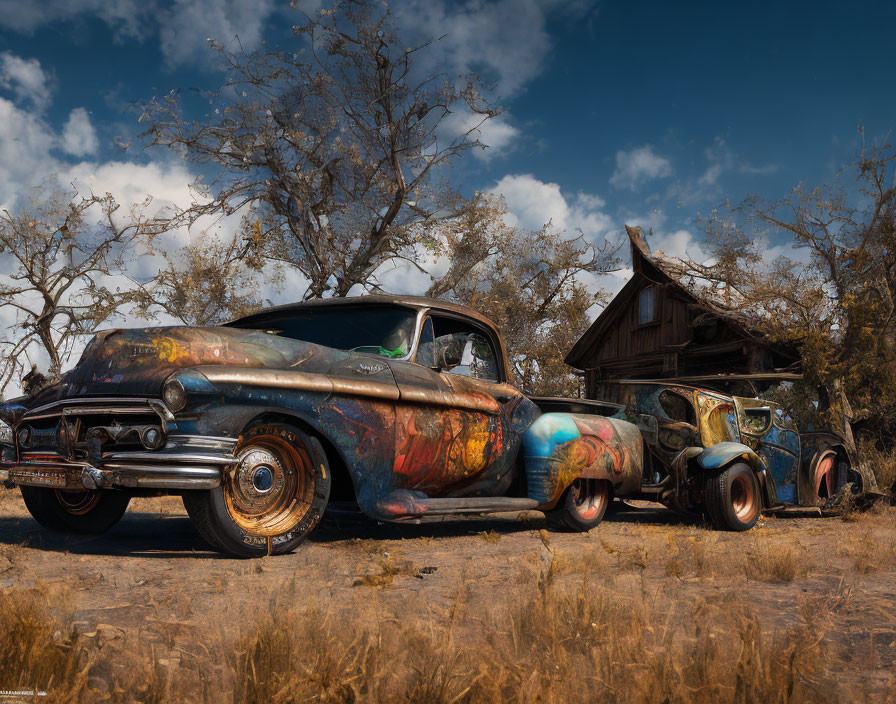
column 200, row 516
column 565, row 517
column 717, row 499
column 45, row 508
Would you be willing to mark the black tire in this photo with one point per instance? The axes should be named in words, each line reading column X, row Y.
column 271, row 500
column 83, row 512
column 733, row 499
column 582, row 506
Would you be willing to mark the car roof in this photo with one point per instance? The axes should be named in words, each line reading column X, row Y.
column 414, row 302
column 666, row 383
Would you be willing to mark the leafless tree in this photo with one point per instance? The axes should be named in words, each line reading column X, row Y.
column 207, row 282
column 336, row 144
column 62, row 256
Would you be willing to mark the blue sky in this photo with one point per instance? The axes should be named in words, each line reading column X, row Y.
column 647, row 113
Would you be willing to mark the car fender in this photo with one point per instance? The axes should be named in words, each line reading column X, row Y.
column 559, row 448
column 724, row 454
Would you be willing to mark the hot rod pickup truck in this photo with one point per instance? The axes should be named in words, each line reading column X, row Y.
column 403, row 405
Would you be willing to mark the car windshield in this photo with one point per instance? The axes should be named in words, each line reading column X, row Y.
column 387, row 331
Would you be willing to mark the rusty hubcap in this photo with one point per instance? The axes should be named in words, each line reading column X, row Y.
column 743, row 498
column 270, row 490
column 590, row 497
column 78, row 503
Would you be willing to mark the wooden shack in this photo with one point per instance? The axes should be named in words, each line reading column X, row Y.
column 656, row 328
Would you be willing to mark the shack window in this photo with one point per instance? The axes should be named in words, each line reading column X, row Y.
column 647, row 305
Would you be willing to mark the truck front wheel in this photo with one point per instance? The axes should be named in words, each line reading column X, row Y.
column 733, row 499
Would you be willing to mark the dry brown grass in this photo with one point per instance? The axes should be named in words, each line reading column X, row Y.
column 870, row 552
column 561, row 643
column 490, row 536
column 881, row 461
column 775, row 563
column 35, row 653
column 588, row 620
column 687, row 555
column 586, row 644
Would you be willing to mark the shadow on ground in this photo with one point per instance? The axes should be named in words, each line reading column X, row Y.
column 152, row 535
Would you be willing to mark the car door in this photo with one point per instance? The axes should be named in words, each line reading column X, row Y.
column 773, row 436
column 449, row 420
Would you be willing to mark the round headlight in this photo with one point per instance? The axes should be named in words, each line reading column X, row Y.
column 24, row 436
column 174, row 395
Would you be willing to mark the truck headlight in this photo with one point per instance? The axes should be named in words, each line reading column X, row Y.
column 5, row 434
column 174, row 395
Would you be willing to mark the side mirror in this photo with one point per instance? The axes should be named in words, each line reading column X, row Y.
column 649, row 428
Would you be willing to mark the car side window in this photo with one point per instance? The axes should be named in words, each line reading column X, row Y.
column 464, row 348
column 426, row 354
column 677, row 407
column 757, row 420
column 467, row 353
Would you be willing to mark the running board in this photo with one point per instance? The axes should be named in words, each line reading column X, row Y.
column 484, row 504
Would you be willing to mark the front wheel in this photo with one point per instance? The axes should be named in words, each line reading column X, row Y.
column 733, row 499
column 583, row 505
column 269, row 502
column 85, row 512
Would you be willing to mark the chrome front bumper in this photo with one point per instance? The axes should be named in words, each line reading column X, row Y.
column 186, row 462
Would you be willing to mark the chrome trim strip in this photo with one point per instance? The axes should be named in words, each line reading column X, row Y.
column 286, row 379
column 154, row 477
column 174, row 457
column 87, row 411
column 99, row 401
column 88, row 406
column 73, row 476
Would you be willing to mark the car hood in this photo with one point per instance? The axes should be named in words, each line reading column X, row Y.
column 136, row 362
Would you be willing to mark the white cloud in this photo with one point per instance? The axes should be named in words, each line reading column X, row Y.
column 183, row 28
column 25, row 145
column 129, row 18
column 504, row 41
column 532, row 203
column 186, row 28
column 78, row 136
column 26, row 79
column 497, row 134
column 639, row 165
column 720, row 158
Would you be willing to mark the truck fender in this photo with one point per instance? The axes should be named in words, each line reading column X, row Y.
column 723, row 454
column 559, row 448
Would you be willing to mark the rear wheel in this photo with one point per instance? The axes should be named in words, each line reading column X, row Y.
column 824, row 480
column 733, row 500
column 269, row 502
column 583, row 505
column 85, row 512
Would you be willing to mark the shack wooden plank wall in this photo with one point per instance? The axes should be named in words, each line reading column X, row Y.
column 682, row 336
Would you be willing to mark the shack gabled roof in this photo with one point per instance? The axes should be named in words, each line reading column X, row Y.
column 647, row 269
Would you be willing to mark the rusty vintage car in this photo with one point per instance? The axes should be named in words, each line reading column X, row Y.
column 750, row 447
column 401, row 404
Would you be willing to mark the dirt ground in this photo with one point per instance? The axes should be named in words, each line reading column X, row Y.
column 152, row 581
